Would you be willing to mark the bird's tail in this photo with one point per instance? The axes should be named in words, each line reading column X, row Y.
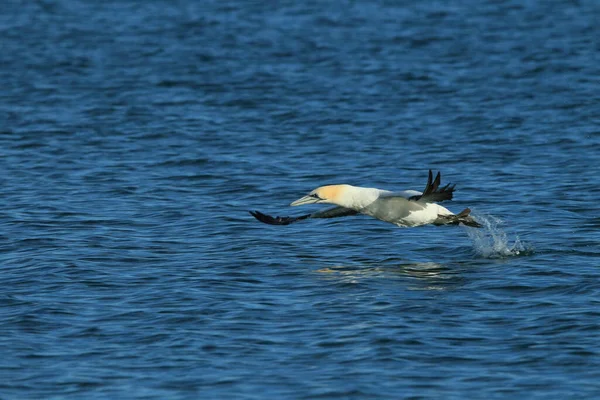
column 462, row 217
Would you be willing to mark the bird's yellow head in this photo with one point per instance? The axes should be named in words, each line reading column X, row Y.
column 330, row 194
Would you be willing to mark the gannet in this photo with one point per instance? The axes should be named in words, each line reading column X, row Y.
column 406, row 209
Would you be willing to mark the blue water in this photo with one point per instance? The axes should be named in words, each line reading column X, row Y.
column 136, row 135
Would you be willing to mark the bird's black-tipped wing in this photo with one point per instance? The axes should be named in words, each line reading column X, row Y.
column 328, row 213
column 267, row 219
column 334, row 212
column 433, row 192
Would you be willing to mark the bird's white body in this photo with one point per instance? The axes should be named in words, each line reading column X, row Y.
column 392, row 207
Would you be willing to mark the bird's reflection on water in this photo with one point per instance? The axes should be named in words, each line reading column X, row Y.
column 421, row 275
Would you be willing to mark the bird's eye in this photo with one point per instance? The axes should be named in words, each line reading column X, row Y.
column 316, row 196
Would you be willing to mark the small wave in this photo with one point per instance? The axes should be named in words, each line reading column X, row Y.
column 490, row 241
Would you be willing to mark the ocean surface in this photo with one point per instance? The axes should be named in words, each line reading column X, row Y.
column 136, row 135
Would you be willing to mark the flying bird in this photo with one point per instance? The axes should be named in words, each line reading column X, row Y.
column 406, row 209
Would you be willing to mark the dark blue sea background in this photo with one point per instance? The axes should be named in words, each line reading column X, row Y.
column 136, row 135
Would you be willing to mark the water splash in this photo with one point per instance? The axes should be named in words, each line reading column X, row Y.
column 490, row 241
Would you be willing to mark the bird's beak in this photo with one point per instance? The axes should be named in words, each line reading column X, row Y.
column 305, row 200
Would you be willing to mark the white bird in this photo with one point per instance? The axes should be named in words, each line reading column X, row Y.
column 405, row 209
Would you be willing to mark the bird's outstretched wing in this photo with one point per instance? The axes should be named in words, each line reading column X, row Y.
column 433, row 192
column 267, row 219
column 328, row 213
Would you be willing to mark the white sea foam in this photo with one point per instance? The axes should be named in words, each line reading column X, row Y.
column 490, row 241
